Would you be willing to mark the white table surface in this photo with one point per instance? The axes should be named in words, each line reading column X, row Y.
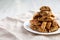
column 21, row 10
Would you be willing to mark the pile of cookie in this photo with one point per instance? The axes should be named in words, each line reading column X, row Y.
column 44, row 21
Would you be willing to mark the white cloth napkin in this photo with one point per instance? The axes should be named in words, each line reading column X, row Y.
column 6, row 35
column 15, row 27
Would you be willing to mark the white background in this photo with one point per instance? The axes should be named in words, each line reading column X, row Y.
column 14, row 8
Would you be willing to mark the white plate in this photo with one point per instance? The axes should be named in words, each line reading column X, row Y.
column 27, row 24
